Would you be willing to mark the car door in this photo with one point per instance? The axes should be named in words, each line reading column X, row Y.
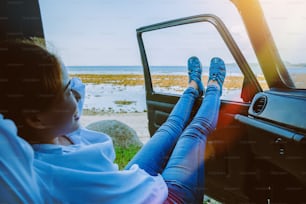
column 244, row 154
column 225, row 159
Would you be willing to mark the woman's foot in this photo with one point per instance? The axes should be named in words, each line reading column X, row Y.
column 195, row 74
column 217, row 73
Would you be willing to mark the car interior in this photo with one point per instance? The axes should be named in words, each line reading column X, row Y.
column 257, row 154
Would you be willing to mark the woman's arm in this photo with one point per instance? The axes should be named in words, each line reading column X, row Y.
column 18, row 181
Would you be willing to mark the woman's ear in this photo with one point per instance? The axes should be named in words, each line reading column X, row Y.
column 35, row 121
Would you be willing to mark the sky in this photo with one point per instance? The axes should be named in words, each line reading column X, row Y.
column 103, row 32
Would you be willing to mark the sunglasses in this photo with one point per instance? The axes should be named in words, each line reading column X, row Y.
column 68, row 85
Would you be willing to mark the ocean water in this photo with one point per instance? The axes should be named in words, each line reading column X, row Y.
column 232, row 70
column 104, row 69
column 169, row 70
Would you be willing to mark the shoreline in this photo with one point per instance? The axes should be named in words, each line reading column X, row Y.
column 159, row 80
column 122, row 97
column 125, row 93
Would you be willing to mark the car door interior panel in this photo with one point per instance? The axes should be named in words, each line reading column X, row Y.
column 276, row 123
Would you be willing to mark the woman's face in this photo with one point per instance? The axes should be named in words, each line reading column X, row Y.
column 63, row 117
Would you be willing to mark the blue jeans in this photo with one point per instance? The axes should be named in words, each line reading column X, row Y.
column 177, row 152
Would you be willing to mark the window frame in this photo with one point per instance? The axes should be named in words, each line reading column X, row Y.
column 251, row 85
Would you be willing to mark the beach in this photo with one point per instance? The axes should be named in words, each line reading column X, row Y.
column 122, row 96
column 125, row 93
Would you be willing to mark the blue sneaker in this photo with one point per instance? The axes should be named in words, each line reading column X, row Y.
column 217, row 71
column 195, row 73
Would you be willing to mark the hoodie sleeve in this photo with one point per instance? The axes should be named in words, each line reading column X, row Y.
column 18, row 181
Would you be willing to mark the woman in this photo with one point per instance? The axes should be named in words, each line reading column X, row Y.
column 36, row 95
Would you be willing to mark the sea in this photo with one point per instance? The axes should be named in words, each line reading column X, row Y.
column 232, row 69
column 163, row 70
column 101, row 97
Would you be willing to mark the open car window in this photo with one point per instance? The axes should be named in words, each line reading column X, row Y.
column 168, row 49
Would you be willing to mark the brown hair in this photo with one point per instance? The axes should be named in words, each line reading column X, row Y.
column 30, row 78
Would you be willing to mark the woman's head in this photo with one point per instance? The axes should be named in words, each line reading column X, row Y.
column 34, row 90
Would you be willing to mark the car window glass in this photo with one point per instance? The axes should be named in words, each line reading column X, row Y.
column 288, row 27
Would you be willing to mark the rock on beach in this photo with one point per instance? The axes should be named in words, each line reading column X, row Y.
column 122, row 134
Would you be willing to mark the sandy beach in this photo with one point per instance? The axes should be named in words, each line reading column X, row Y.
column 122, row 97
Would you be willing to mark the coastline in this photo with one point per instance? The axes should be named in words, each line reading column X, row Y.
column 160, row 80
column 124, row 93
column 122, row 97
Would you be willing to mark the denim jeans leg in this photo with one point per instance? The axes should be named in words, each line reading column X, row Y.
column 154, row 155
column 184, row 173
